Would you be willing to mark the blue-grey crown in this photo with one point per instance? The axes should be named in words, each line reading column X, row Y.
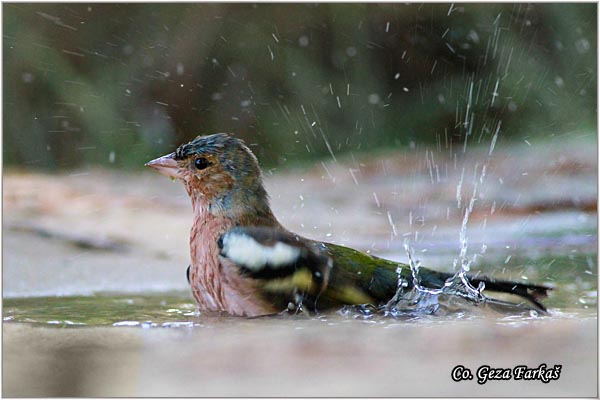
column 211, row 144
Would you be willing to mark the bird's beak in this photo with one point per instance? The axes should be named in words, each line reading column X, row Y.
column 166, row 165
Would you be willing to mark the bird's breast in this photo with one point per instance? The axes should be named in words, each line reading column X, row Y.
column 216, row 283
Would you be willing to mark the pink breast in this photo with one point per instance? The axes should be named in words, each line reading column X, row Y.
column 215, row 281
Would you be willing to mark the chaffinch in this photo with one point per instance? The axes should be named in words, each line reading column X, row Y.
column 245, row 263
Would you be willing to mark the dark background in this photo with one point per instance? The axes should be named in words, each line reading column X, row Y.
column 118, row 84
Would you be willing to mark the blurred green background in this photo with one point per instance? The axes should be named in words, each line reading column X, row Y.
column 118, row 84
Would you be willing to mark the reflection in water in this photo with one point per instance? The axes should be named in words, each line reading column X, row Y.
column 171, row 309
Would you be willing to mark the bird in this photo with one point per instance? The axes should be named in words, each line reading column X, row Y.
column 245, row 263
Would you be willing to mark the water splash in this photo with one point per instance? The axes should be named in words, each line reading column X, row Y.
column 456, row 293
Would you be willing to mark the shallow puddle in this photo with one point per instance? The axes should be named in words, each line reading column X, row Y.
column 329, row 355
column 573, row 277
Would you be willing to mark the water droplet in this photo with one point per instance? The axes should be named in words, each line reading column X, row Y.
column 303, row 41
column 582, row 45
column 373, row 98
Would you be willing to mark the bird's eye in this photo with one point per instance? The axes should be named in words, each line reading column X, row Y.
column 201, row 163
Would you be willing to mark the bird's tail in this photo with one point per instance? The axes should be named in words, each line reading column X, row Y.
column 529, row 291
column 533, row 293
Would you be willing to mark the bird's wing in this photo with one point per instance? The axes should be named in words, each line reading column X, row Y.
column 276, row 255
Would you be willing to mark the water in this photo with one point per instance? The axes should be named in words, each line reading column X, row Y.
column 148, row 346
column 574, row 290
column 178, row 310
column 149, row 310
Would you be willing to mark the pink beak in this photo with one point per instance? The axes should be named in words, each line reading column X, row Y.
column 166, row 165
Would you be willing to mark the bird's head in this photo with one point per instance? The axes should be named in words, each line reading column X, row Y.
column 220, row 174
